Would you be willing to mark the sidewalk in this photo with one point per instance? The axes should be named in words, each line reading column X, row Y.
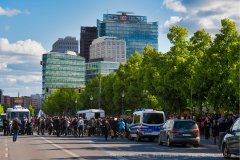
column 208, row 143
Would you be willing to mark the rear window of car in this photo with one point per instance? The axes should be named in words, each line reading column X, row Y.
column 153, row 118
column 185, row 125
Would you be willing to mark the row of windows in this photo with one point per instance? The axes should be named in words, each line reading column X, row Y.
column 65, row 68
column 63, row 81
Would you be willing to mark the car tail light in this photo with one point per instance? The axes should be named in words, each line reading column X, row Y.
column 196, row 131
column 173, row 131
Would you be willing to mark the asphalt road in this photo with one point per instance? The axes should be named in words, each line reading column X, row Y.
column 63, row 148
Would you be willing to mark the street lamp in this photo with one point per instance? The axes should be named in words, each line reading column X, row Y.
column 91, row 99
column 76, row 105
column 123, row 94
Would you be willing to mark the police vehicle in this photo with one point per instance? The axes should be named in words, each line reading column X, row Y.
column 146, row 123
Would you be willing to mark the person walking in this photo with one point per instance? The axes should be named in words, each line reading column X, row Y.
column 215, row 131
column 80, row 127
column 106, row 129
column 207, row 125
column 15, row 128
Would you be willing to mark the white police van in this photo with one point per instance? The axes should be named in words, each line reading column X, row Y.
column 146, row 123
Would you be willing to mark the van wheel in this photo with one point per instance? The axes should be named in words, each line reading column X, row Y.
column 159, row 141
column 169, row 144
column 226, row 153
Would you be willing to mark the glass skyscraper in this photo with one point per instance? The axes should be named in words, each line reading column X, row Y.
column 135, row 30
column 62, row 70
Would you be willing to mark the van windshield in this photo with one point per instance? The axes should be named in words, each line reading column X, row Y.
column 153, row 118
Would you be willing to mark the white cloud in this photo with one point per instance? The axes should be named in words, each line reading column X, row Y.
column 20, row 66
column 24, row 47
column 9, row 12
column 208, row 14
column 175, row 5
column 172, row 21
column 203, row 14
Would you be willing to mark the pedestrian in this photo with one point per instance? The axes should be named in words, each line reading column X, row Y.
column 223, row 127
column 80, row 127
column 106, row 129
column 215, row 131
column 15, row 128
column 207, row 125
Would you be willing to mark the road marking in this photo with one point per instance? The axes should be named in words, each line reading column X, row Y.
column 6, row 147
column 108, row 152
column 63, row 149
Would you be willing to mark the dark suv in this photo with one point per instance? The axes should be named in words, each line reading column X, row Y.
column 177, row 131
column 231, row 141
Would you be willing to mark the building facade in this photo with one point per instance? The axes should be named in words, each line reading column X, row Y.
column 1, row 96
column 111, row 48
column 102, row 67
column 7, row 100
column 63, row 45
column 38, row 98
column 87, row 35
column 135, row 30
column 62, row 70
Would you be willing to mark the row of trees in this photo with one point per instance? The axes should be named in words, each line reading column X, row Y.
column 196, row 72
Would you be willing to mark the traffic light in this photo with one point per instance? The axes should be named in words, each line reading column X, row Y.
column 47, row 89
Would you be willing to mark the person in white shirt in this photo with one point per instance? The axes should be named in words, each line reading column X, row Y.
column 80, row 126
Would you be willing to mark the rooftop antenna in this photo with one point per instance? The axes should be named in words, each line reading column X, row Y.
column 18, row 93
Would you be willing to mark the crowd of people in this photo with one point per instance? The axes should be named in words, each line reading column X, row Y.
column 69, row 126
column 214, row 125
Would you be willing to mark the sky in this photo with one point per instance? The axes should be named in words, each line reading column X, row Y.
column 28, row 28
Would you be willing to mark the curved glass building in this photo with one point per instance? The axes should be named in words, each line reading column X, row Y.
column 62, row 70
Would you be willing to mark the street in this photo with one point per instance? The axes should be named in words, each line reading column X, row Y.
column 51, row 147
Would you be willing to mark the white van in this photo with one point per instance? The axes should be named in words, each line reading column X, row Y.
column 91, row 113
column 146, row 124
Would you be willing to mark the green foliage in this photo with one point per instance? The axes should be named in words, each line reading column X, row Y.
column 62, row 102
column 1, row 109
column 31, row 109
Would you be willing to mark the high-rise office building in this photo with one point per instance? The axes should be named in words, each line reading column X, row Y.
column 63, row 45
column 62, row 70
column 111, row 48
column 135, row 30
column 87, row 35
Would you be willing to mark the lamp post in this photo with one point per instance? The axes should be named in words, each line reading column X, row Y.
column 91, row 99
column 123, row 95
column 76, row 105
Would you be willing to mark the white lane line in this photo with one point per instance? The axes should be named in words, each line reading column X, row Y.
column 117, row 156
column 61, row 148
column 6, row 148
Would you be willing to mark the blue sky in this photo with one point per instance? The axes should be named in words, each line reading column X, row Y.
column 28, row 28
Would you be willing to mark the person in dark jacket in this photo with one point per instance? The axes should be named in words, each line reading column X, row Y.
column 106, row 129
column 15, row 128
column 215, row 131
column 207, row 125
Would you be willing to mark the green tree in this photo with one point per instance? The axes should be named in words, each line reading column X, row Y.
column 1, row 109
column 62, row 102
column 31, row 109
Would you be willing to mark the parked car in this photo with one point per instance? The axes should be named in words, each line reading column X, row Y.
column 231, row 141
column 177, row 131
